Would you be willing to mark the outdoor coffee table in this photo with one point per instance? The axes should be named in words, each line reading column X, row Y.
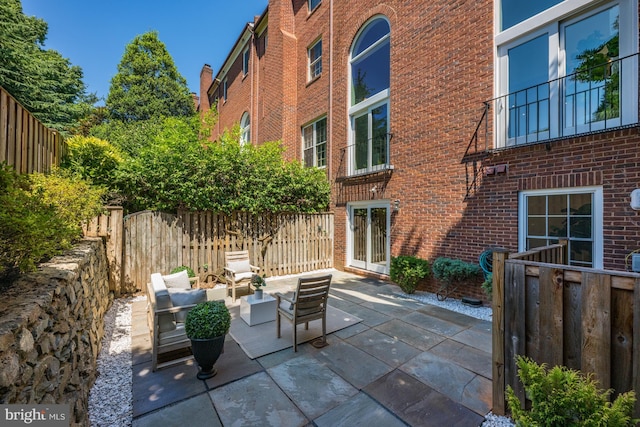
column 255, row 311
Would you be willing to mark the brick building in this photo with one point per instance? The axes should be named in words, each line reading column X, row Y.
column 449, row 127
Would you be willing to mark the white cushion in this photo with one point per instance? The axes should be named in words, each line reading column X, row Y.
column 242, row 276
column 178, row 280
column 181, row 297
column 240, row 266
column 172, row 337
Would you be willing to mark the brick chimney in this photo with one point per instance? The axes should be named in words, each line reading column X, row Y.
column 206, row 78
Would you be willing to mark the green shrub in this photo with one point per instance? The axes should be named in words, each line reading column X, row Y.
column 407, row 271
column 450, row 271
column 41, row 215
column 487, row 285
column 208, row 319
column 94, row 159
column 564, row 397
column 190, row 272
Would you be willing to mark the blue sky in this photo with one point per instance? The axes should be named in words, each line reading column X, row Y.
column 93, row 33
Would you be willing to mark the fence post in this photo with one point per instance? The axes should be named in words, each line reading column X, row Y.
column 497, row 331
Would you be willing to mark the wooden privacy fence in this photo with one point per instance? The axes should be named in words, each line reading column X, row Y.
column 25, row 143
column 582, row 318
column 110, row 227
column 279, row 244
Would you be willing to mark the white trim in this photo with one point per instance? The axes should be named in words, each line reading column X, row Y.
column 349, row 233
column 597, row 216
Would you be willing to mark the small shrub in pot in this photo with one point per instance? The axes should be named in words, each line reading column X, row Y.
column 206, row 326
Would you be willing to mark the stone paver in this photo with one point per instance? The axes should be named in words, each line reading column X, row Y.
column 466, row 356
column 418, row 404
column 314, row 388
column 415, row 337
column 255, row 401
column 196, row 411
column 359, row 411
column 433, row 324
column 351, row 363
column 390, row 350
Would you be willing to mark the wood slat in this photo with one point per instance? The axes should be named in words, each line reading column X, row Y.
column 551, row 286
column 596, row 327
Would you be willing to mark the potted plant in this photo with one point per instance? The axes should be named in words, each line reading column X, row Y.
column 258, row 282
column 206, row 326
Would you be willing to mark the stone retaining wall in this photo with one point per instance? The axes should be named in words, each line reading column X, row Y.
column 51, row 328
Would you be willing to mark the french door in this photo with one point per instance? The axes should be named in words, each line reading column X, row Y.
column 369, row 236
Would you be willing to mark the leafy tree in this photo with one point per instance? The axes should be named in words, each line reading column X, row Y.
column 147, row 83
column 177, row 168
column 43, row 81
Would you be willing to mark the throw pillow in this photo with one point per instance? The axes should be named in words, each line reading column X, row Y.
column 178, row 280
column 240, row 266
column 181, row 297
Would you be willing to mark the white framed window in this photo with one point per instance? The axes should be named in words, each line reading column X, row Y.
column 314, row 143
column 575, row 214
column 314, row 53
column 245, row 129
column 313, row 4
column 368, row 235
column 245, row 62
column 370, row 75
column 564, row 68
column 225, row 87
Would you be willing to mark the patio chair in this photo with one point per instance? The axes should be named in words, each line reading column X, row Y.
column 169, row 298
column 309, row 303
column 238, row 271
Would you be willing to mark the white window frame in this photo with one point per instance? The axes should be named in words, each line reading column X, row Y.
column 597, row 216
column 366, row 105
column 313, row 4
column 314, row 143
column 315, row 65
column 553, row 21
column 225, row 89
column 245, row 129
column 245, row 62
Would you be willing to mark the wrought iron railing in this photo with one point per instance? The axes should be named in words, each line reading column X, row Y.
column 365, row 157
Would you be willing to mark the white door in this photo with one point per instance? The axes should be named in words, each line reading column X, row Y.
column 369, row 237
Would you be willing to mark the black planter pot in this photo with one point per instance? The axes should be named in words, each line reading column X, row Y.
column 206, row 353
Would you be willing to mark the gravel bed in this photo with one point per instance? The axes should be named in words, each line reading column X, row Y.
column 110, row 399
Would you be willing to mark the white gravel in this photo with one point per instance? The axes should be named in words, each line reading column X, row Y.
column 110, row 399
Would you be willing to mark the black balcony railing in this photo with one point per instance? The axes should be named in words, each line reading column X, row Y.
column 365, row 157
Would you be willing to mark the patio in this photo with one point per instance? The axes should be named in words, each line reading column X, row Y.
column 405, row 363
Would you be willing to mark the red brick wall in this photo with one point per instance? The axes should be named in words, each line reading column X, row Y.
column 442, row 57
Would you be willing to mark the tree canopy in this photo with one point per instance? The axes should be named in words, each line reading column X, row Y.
column 148, row 83
column 42, row 80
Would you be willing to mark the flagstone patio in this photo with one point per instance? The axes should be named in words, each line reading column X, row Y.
column 406, row 363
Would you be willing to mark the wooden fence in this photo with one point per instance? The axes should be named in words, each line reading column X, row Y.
column 25, row 143
column 582, row 318
column 110, row 227
column 279, row 244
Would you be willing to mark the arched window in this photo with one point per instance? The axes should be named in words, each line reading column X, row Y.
column 370, row 73
column 245, row 129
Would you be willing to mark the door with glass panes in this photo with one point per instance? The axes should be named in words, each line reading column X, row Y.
column 369, row 237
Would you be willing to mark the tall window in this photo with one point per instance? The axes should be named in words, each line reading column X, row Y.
column 565, row 69
column 314, row 143
column 245, row 62
column 245, row 129
column 315, row 60
column 369, row 95
column 573, row 214
column 225, row 87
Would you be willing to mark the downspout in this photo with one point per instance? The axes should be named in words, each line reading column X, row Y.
column 252, row 104
column 331, row 142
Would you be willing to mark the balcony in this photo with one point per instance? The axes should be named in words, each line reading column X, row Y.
column 599, row 98
column 365, row 158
